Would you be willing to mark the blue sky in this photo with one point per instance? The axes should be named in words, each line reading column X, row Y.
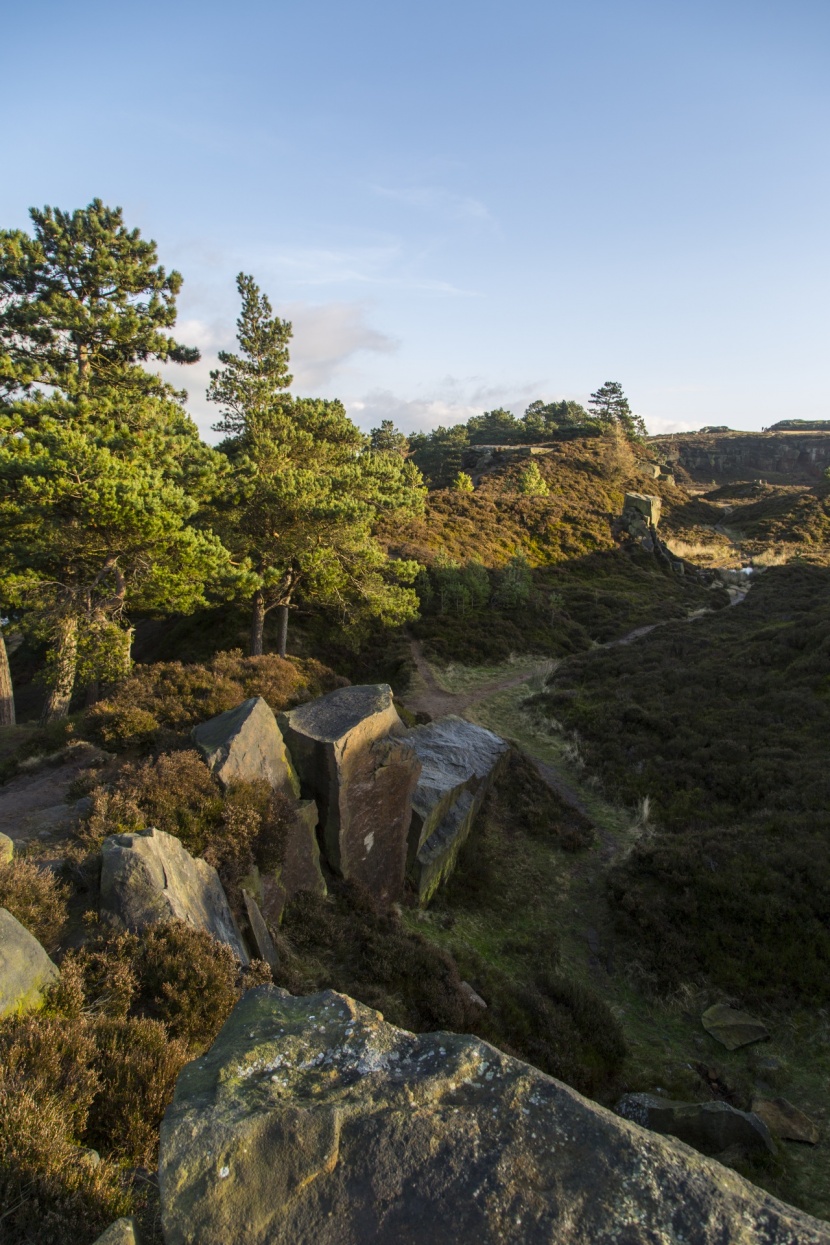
column 460, row 205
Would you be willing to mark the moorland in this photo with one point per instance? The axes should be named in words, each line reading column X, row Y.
column 657, row 841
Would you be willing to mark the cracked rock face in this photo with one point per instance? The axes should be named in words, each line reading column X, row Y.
column 312, row 1120
column 459, row 762
column 245, row 744
column 150, row 877
column 350, row 757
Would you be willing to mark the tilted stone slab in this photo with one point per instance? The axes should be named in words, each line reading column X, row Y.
column 733, row 1028
column 349, row 754
column 711, row 1127
column 245, row 745
column 150, row 877
column 312, row 1120
column 459, row 762
column 122, row 1232
column 786, row 1121
column 25, row 969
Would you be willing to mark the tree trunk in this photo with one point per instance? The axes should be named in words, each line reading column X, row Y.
column 257, row 623
column 6, row 690
column 93, row 693
column 283, row 629
column 66, row 657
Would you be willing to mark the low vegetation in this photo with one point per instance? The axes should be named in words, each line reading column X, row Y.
column 721, row 726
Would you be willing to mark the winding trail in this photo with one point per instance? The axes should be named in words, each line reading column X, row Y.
column 433, row 699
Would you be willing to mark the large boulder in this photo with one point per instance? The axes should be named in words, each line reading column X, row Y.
column 6, row 849
column 299, row 868
column 25, row 968
column 711, row 1127
column 245, row 744
column 150, row 877
column 459, row 761
column 348, row 750
column 312, row 1120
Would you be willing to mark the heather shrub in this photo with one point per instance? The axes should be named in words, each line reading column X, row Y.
column 36, row 898
column 50, row 1194
column 172, row 696
column 175, row 792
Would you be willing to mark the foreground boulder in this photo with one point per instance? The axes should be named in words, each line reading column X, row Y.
column 25, row 968
column 348, row 751
column 459, row 761
column 711, row 1127
column 245, row 745
column 313, row 1122
column 150, row 877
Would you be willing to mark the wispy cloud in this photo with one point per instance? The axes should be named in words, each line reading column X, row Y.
column 383, row 266
column 327, row 336
column 438, row 202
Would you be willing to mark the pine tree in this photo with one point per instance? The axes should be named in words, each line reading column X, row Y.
column 610, row 407
column 387, row 439
column 100, row 468
column 532, row 483
column 463, row 483
column 82, row 302
column 305, row 489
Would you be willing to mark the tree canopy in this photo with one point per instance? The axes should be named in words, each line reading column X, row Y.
column 305, row 488
column 101, row 470
column 82, row 301
column 611, row 407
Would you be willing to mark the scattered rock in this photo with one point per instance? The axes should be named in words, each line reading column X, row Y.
column 25, row 968
column 348, row 751
column 6, row 849
column 648, row 508
column 122, row 1232
column 459, row 761
column 245, row 744
column 311, row 1119
column 149, row 877
column 785, row 1120
column 471, row 995
column 733, row 1028
column 263, row 941
column 710, row 1127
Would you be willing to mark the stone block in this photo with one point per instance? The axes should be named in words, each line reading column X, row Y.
column 6, row 849
column 459, row 761
column 348, row 751
column 150, row 877
column 642, row 504
column 245, row 745
column 25, row 968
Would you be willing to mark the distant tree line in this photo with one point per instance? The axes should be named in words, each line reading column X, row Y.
column 439, row 453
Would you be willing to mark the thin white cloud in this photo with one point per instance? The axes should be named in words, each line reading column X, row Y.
column 438, row 202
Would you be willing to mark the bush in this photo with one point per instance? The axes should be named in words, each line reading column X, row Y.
column 175, row 792
column 36, row 898
column 175, row 696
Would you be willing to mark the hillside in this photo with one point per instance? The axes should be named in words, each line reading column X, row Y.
column 655, row 843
